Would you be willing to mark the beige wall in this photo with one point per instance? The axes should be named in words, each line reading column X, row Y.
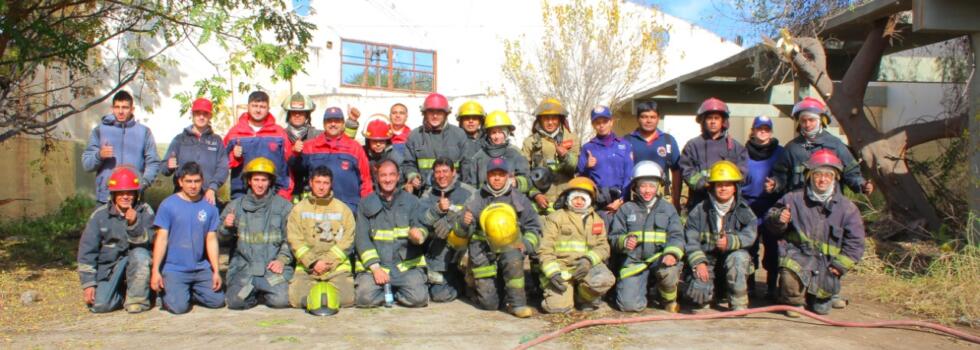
column 39, row 185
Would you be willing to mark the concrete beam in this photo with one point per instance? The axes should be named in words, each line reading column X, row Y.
column 731, row 92
column 949, row 16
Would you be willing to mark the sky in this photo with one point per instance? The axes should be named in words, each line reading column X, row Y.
column 713, row 15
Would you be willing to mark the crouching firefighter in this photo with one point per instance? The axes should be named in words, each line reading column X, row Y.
column 573, row 250
column 502, row 226
column 717, row 232
column 261, row 256
column 114, row 247
column 824, row 236
column 320, row 229
column 389, row 243
column 649, row 239
column 440, row 208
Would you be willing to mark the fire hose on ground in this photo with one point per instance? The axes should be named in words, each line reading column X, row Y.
column 768, row 309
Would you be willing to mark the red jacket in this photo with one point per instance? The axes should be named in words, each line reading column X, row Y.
column 346, row 159
column 402, row 137
column 271, row 141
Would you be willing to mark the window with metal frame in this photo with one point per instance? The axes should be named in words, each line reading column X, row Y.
column 389, row 67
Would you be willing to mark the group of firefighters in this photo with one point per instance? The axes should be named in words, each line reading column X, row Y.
column 319, row 222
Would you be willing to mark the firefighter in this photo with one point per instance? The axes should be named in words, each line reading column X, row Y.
column 257, row 135
column 717, row 232
column 470, row 118
column 433, row 139
column 320, row 230
column 608, row 160
column 651, row 143
column 440, row 207
column 496, row 144
column 788, row 173
column 553, row 152
column 714, row 144
column 389, row 243
column 648, row 236
column 502, row 227
column 823, row 235
column 344, row 156
column 115, row 247
column 764, row 150
column 573, row 250
column 199, row 143
column 261, row 260
column 299, row 110
column 378, row 146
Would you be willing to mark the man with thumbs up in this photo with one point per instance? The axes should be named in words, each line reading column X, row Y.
column 608, row 160
column 198, row 143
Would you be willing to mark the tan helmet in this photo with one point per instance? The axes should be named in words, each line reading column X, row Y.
column 299, row 102
column 499, row 223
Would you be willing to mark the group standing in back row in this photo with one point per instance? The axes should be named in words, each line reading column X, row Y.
column 318, row 221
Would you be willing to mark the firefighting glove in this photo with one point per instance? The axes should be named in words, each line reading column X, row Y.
column 442, row 228
column 582, row 267
column 700, row 292
column 558, row 283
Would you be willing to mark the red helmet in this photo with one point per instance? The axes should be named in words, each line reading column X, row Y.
column 436, row 102
column 377, row 128
column 824, row 157
column 712, row 105
column 809, row 104
column 123, row 179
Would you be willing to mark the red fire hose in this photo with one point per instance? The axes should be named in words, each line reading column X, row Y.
column 728, row 314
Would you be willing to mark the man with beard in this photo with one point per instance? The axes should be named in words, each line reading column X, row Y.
column 257, row 135
column 433, row 139
column 713, row 145
column 343, row 156
column 553, row 151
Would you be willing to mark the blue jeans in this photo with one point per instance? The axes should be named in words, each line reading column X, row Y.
column 181, row 287
column 135, row 266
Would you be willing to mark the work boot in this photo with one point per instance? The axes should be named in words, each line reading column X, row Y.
column 672, row 307
column 838, row 302
column 522, row 311
column 135, row 308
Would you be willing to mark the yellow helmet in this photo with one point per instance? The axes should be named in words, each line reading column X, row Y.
column 550, row 106
column 498, row 118
column 470, row 108
column 456, row 242
column 724, row 171
column 581, row 183
column 499, row 223
column 260, row 165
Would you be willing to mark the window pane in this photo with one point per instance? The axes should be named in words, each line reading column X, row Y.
column 402, row 59
column 352, row 74
column 423, row 82
column 378, row 55
column 423, row 61
column 352, row 52
column 378, row 77
column 402, row 80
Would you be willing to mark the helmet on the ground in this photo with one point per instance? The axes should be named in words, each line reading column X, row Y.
column 436, row 102
column 378, row 128
column 825, row 158
column 123, row 178
column 712, row 105
column 541, row 178
column 299, row 102
column 259, row 165
column 470, row 108
column 323, row 300
column 724, row 171
column 499, row 223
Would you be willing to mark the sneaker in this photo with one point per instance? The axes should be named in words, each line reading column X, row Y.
column 522, row 312
column 135, row 308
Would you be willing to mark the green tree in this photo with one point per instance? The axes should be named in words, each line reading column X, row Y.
column 588, row 55
column 59, row 58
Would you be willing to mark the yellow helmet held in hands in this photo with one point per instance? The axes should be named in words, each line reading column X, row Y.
column 469, row 108
column 724, row 171
column 496, row 119
column 260, row 165
column 499, row 223
column 456, row 242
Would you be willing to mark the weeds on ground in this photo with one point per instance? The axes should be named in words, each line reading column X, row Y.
column 48, row 240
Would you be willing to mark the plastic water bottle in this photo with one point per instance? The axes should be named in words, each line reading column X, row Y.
column 389, row 298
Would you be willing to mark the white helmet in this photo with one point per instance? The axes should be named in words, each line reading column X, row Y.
column 648, row 168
